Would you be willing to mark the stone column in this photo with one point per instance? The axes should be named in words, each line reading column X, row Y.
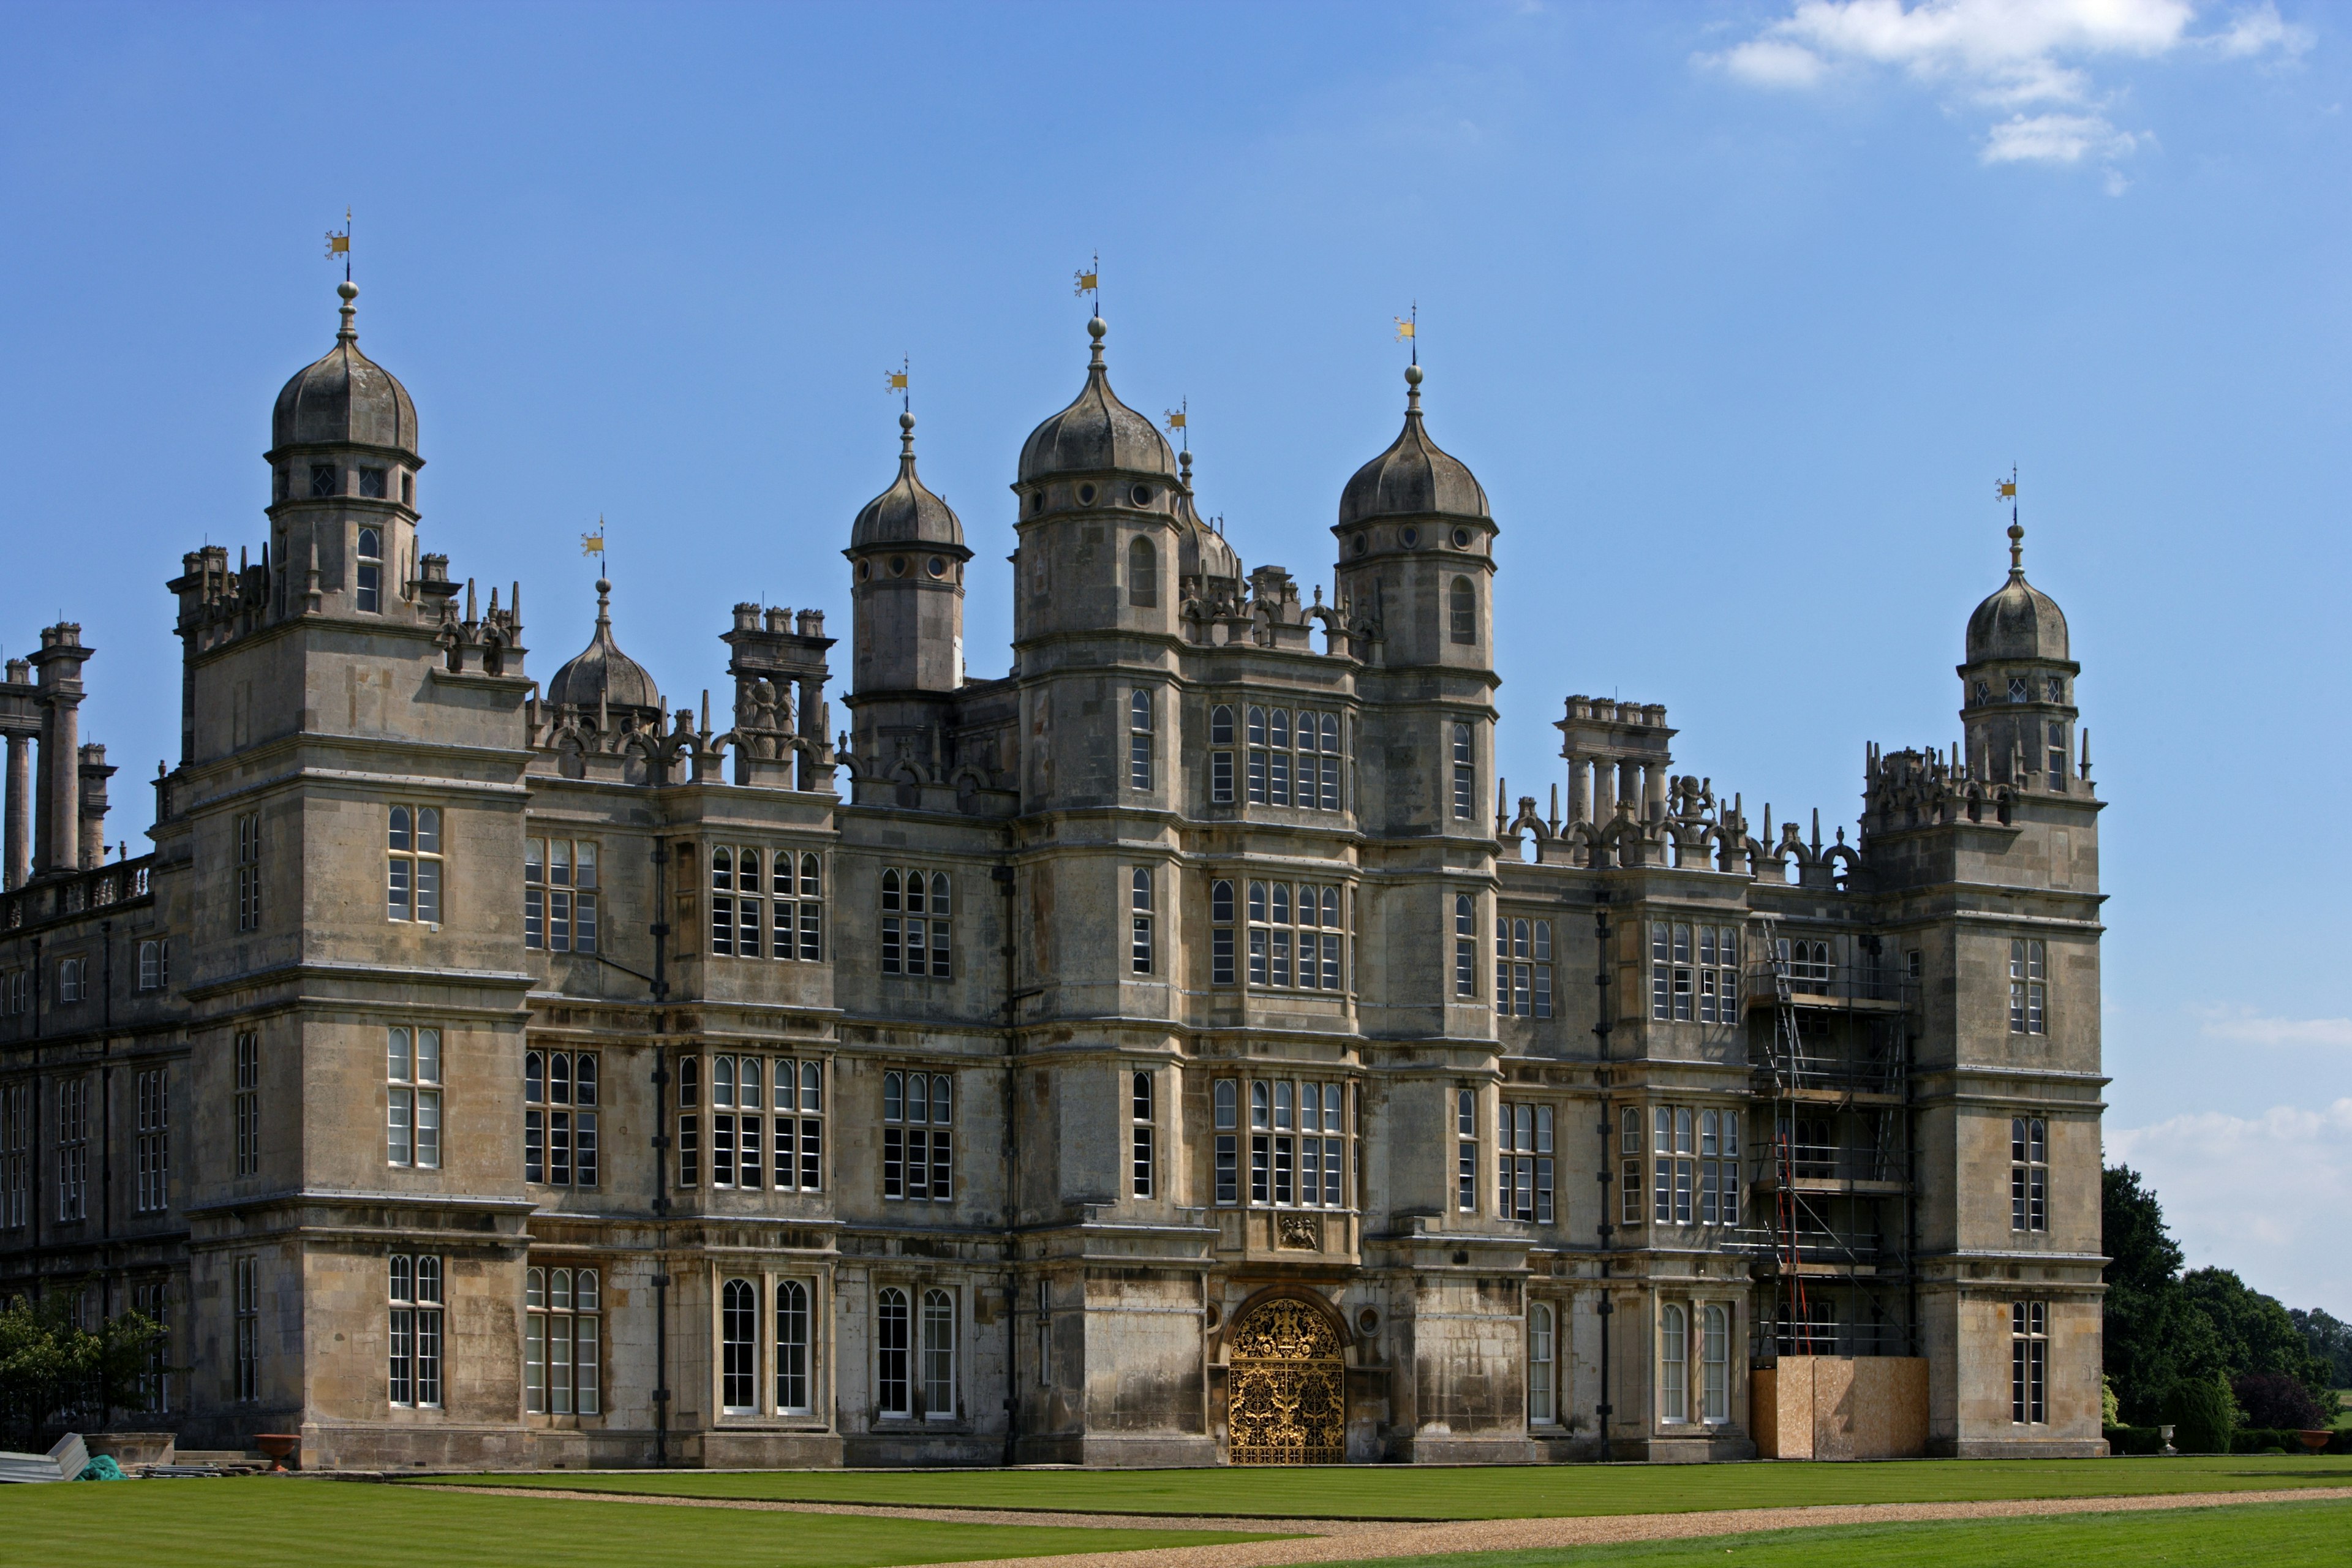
column 1654, row 780
column 1629, row 784
column 93, row 774
column 1579, row 790
column 18, row 854
column 1604, row 789
column 57, row 839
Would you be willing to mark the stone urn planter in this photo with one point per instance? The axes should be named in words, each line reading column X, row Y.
column 2316, row 1441
column 282, row 1448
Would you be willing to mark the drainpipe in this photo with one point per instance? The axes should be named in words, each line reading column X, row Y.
column 1002, row 877
column 660, row 987
column 1603, row 1076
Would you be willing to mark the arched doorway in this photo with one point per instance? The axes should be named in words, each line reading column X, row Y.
column 1284, row 1379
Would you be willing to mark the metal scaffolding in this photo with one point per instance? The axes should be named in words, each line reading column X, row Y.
column 1833, row 1231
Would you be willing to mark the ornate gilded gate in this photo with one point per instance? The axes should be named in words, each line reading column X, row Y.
column 1285, row 1376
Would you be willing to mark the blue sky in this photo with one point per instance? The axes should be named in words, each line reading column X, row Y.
column 1737, row 310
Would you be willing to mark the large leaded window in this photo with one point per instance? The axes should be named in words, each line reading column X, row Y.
column 915, row 1354
column 412, row 865
column 766, row 903
column 918, row 1136
column 1466, row 775
column 2029, row 993
column 765, row 1121
column 1294, row 758
column 793, row 1347
column 1220, row 932
column 413, row 1096
column 152, row 1142
column 916, row 936
column 2029, row 1174
column 1524, row 1162
column 562, row 1342
column 1298, row 1143
column 1694, row 973
column 1294, row 935
column 416, row 1325
column 2029, row 1362
column 1522, row 968
column 558, row 1118
column 1465, row 946
column 559, row 894
column 1695, row 1165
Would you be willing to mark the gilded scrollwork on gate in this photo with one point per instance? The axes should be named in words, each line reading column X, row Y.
column 1284, row 1377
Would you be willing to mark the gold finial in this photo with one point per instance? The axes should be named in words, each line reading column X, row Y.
column 2006, row 490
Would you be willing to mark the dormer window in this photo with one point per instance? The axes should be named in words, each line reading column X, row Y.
column 322, row 480
column 2017, row 689
column 370, row 598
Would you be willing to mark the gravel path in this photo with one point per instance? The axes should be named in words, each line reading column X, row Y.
column 1334, row 1526
column 1355, row 1540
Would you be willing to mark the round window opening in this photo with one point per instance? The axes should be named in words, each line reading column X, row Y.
column 865, row 570
column 897, row 566
column 937, row 566
column 1143, row 495
column 1085, row 495
column 1408, row 537
column 1461, row 539
column 1360, row 544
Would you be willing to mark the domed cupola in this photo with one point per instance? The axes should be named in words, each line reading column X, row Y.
column 345, row 399
column 601, row 676
column 907, row 513
column 1200, row 551
column 2019, row 621
column 1413, row 477
column 1097, row 434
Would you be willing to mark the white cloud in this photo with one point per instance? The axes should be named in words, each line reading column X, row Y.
column 2055, row 139
column 2013, row 55
column 2261, row 1195
column 2249, row 1027
column 2259, row 28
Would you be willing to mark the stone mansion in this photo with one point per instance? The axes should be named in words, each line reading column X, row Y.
column 1175, row 1051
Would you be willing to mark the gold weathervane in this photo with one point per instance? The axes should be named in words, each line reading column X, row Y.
column 1089, row 279
column 340, row 245
column 594, row 544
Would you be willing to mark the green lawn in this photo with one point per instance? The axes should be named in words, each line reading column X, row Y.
column 1497, row 1492
column 263, row 1521
column 2272, row 1535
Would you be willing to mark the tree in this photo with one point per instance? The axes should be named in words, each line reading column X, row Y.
column 49, row 1363
column 2203, row 1414
column 2330, row 1341
column 2275, row 1400
column 2258, row 1339
column 2155, row 1339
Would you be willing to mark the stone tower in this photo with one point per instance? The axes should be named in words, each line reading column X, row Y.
column 906, row 558
column 1985, row 870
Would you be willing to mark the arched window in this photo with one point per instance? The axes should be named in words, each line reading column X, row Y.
column 1541, row 1410
column 1464, row 606
column 1142, row 573
column 1221, row 762
column 938, row 1356
column 1673, row 1386
column 791, row 1347
column 371, row 581
column 1715, row 1363
column 1466, row 945
column 1140, row 1145
column 893, row 1394
column 1221, row 934
column 1465, row 778
column 1138, row 741
column 739, row 1338
column 1140, row 899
